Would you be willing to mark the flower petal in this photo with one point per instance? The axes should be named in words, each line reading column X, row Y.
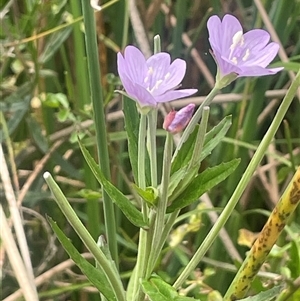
column 138, row 93
column 221, row 34
column 172, row 77
column 263, row 57
column 225, row 65
column 256, row 39
column 175, row 94
column 158, row 65
column 133, row 64
column 258, row 71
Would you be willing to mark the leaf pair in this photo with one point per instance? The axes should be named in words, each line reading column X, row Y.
column 186, row 185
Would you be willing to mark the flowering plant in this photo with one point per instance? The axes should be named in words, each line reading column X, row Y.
column 152, row 81
column 160, row 191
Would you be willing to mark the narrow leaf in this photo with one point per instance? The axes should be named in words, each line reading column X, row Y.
column 212, row 139
column 158, row 290
column 132, row 123
column 185, row 153
column 266, row 295
column 36, row 133
column 94, row 275
column 149, row 195
column 53, row 44
column 131, row 117
column 202, row 183
column 129, row 210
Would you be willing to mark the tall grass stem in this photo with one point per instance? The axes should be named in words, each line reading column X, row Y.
column 99, row 118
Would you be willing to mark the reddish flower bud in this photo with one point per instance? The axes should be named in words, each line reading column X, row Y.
column 175, row 122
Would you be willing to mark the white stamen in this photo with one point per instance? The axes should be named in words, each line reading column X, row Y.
column 245, row 57
column 237, row 39
column 157, row 84
column 234, row 60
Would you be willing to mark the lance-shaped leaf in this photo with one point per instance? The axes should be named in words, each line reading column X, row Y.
column 94, row 275
column 149, row 195
column 159, row 290
column 266, row 295
column 202, row 183
column 212, row 139
column 131, row 118
column 132, row 121
column 129, row 210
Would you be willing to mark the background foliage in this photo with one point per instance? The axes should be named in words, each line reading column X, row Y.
column 45, row 104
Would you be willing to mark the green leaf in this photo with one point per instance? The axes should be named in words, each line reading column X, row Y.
column 16, row 118
column 53, row 44
column 132, row 123
column 184, row 298
column 149, row 195
column 215, row 136
column 116, row 195
column 178, row 184
column 159, row 290
column 294, row 263
column 132, row 119
column 36, row 133
column 202, row 183
column 212, row 139
column 266, row 295
column 290, row 66
column 185, row 153
column 94, row 275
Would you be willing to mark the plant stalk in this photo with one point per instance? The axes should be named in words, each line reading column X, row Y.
column 261, row 150
column 99, row 118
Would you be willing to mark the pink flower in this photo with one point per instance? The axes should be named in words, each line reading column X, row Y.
column 243, row 54
column 154, row 80
column 175, row 122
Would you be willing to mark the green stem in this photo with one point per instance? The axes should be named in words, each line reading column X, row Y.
column 142, row 247
column 200, row 138
column 142, row 152
column 242, row 184
column 166, row 231
column 99, row 117
column 125, row 25
column 189, row 129
column 152, row 121
column 86, row 238
column 162, row 203
column 157, row 44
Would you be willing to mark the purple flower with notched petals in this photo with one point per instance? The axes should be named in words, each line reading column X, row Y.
column 154, row 80
column 242, row 54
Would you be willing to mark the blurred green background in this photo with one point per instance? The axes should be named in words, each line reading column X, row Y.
column 45, row 104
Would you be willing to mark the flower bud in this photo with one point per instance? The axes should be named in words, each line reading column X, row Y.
column 175, row 122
